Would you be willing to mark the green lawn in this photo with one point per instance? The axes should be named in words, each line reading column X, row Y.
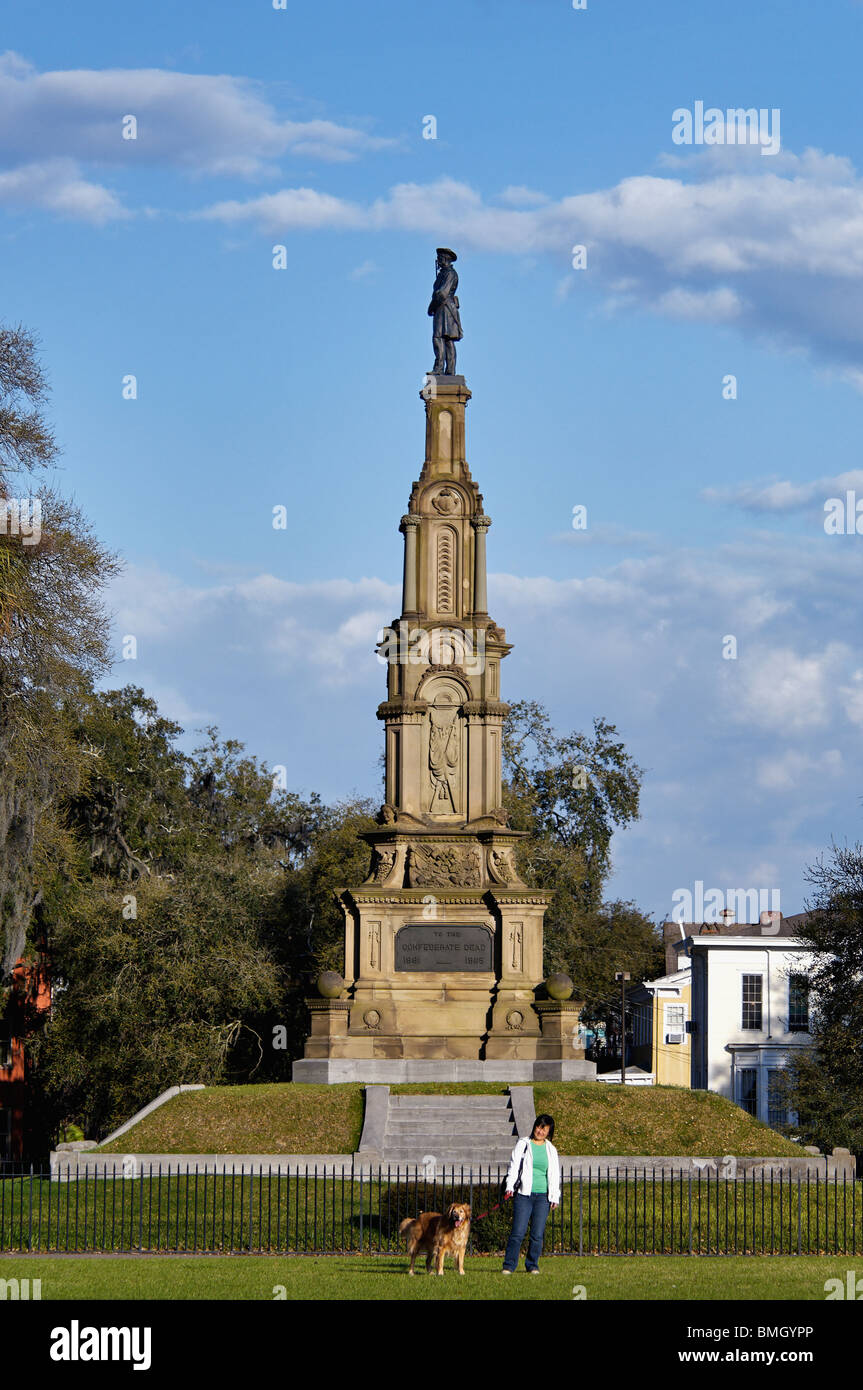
column 591, row 1119
column 385, row 1277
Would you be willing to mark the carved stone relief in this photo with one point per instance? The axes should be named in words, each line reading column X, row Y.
column 501, row 867
column 444, row 866
column 517, row 947
column 444, row 751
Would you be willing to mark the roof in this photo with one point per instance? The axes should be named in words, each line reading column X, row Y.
column 675, row 933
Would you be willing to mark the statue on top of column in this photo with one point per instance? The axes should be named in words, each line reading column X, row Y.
column 446, row 327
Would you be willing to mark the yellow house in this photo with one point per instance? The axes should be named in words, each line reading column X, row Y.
column 661, row 1011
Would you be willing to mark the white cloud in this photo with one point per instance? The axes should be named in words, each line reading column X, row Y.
column 293, row 209
column 851, row 696
column 56, row 185
column 715, row 306
column 215, row 124
column 517, row 196
column 785, row 690
column 260, row 619
column 792, row 769
column 781, row 495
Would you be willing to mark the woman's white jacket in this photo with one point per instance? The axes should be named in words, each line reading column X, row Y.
column 524, row 1147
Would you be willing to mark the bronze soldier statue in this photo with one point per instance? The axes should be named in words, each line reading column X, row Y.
column 446, row 328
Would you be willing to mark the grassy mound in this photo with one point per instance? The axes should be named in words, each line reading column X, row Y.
column 266, row 1119
column 591, row 1118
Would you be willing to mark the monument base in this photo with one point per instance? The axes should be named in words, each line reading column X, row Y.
column 333, row 1071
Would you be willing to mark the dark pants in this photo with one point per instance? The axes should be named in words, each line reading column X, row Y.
column 533, row 1210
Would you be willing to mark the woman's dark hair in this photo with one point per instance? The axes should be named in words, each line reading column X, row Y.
column 544, row 1120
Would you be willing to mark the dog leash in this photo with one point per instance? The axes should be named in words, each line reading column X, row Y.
column 496, row 1207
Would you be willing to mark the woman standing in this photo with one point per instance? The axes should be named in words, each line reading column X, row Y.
column 533, row 1181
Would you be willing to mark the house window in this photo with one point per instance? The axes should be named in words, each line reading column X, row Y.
column 747, row 1089
column 5, row 1045
column 752, row 1002
column 777, row 1113
column 675, row 1023
column 798, row 1004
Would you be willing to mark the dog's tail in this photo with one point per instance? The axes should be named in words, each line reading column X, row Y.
column 406, row 1224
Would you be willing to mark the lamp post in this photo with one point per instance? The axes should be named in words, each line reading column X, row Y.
column 622, row 976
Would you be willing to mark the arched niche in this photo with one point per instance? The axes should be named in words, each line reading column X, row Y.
column 444, row 749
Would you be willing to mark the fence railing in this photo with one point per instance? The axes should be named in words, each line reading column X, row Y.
column 316, row 1211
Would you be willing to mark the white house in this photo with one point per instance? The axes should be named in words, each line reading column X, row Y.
column 749, row 1007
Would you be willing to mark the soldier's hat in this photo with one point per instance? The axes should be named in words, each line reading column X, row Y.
column 445, row 251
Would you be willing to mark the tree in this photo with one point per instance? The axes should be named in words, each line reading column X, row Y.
column 825, row 1088
column 569, row 793
column 53, row 642
column 311, row 928
column 165, row 920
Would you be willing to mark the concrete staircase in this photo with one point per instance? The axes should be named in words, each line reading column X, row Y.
column 469, row 1130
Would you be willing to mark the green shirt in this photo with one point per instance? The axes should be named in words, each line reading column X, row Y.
column 540, row 1168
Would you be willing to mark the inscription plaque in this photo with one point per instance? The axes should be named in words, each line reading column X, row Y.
column 443, row 948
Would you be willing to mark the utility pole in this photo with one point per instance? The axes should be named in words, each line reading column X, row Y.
column 622, row 976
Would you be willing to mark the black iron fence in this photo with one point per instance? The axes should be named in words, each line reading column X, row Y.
column 319, row 1210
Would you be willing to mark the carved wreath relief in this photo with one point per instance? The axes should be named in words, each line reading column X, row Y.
column 444, row 866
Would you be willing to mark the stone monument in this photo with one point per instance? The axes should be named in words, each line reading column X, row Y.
column 443, row 940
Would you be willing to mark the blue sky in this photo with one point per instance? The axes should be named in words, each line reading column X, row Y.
column 304, row 128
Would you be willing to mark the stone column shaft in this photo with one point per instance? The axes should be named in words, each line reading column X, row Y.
column 480, row 584
column 410, row 525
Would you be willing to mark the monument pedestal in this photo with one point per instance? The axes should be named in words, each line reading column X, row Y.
column 444, row 974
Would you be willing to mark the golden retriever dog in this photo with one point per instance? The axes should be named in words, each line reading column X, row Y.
column 437, row 1236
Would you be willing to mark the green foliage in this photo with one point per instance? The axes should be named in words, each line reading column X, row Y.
column 591, row 945
column 826, row 1087
column 165, row 916
column 153, row 1000
column 829, row 1113
column 53, row 642
column 337, row 860
column 569, row 793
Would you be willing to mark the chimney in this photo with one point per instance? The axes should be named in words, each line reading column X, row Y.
column 727, row 916
column 770, row 918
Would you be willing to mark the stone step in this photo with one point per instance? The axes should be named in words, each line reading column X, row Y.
column 418, row 1149
column 445, row 1143
column 434, row 1125
column 408, row 1102
column 449, row 1157
column 476, row 1133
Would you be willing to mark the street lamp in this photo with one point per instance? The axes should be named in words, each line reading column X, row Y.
column 622, row 976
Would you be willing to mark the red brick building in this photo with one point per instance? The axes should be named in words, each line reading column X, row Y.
column 30, row 995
